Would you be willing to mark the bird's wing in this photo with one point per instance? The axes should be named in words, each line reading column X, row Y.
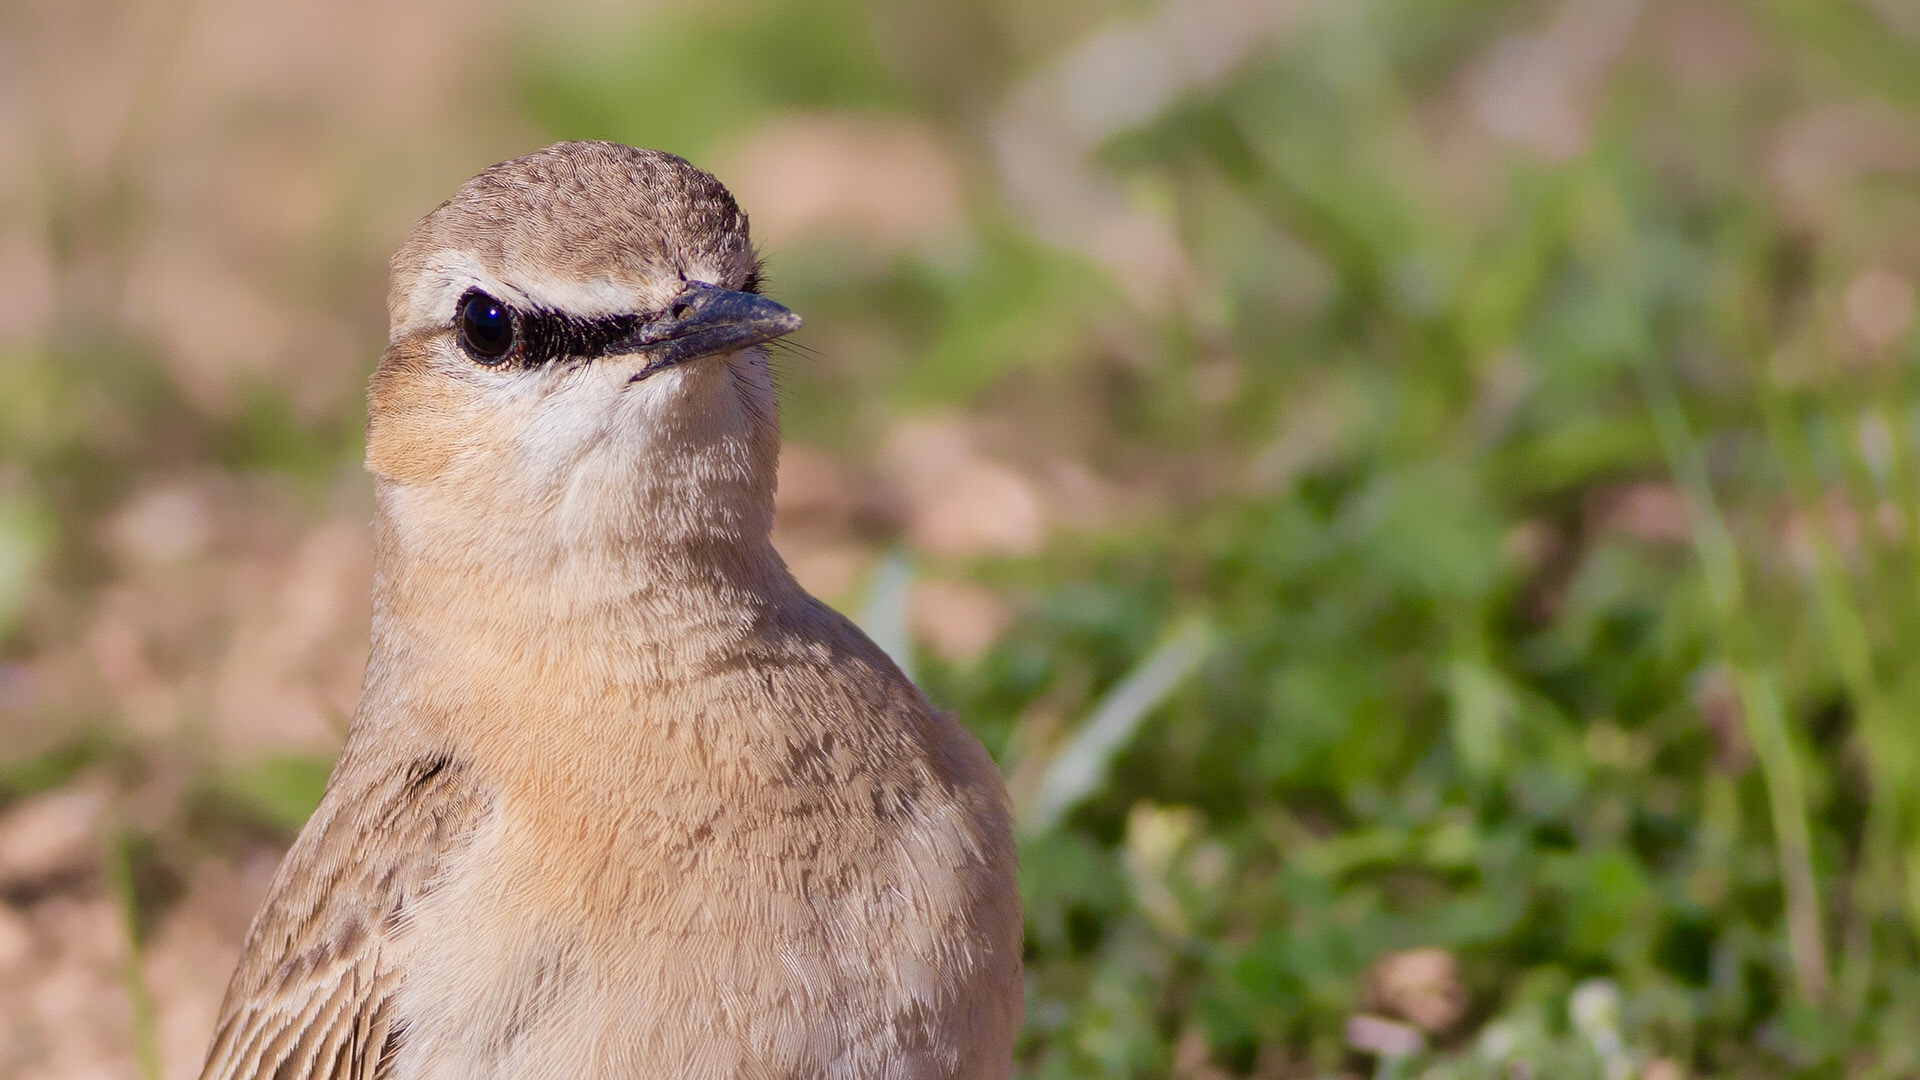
column 313, row 996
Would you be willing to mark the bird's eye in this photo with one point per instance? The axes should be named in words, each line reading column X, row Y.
column 486, row 328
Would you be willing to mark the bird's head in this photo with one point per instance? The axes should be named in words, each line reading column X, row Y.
column 575, row 367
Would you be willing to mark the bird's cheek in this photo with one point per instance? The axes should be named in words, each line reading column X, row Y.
column 408, row 420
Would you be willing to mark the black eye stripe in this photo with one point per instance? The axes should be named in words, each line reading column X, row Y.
column 547, row 336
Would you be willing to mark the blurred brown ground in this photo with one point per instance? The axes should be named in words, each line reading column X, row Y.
column 174, row 173
column 218, row 182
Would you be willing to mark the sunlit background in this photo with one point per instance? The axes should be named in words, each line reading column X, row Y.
column 1420, row 496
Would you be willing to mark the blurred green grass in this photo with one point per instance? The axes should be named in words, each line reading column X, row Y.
column 1409, row 731
column 1554, row 541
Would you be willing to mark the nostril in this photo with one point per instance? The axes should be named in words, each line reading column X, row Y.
column 680, row 309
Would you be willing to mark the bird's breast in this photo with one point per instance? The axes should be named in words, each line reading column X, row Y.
column 792, row 907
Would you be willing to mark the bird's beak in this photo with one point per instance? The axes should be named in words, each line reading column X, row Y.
column 706, row 320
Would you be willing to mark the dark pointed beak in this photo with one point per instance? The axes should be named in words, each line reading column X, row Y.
column 706, row 320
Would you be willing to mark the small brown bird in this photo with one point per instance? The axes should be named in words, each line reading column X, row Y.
column 620, row 799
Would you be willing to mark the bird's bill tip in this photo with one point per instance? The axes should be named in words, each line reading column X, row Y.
column 706, row 320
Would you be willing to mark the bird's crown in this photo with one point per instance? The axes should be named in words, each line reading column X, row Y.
column 587, row 228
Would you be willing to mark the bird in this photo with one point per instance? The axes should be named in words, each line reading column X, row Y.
column 619, row 797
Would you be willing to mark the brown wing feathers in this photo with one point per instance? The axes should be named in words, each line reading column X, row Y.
column 312, row 998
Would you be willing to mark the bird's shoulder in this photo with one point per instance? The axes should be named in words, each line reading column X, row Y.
column 823, row 677
column 313, row 993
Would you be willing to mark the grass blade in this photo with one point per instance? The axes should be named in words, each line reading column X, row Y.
column 1080, row 766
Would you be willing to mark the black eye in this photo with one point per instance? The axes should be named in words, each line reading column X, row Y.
column 486, row 328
